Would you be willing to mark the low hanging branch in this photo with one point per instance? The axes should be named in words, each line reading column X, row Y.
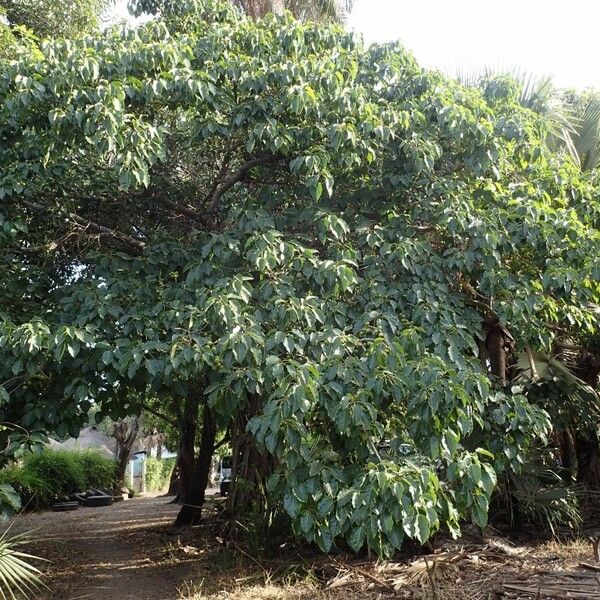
column 131, row 241
column 225, row 440
column 185, row 211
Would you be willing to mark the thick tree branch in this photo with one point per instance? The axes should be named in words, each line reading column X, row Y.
column 569, row 346
column 134, row 242
column 184, row 210
column 534, row 373
column 234, row 178
column 139, row 245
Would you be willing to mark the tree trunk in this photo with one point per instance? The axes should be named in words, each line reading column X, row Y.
column 495, row 345
column 587, row 444
column 498, row 340
column 122, row 463
column 260, row 8
column 193, row 498
column 568, row 455
column 588, row 458
column 186, row 451
column 174, row 482
column 125, row 435
column 250, row 467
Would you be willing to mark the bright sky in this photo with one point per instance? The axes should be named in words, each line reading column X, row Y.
column 554, row 37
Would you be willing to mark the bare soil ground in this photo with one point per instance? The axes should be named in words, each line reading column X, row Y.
column 104, row 553
column 131, row 551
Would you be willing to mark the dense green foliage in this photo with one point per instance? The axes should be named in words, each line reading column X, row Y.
column 45, row 476
column 272, row 212
column 158, row 473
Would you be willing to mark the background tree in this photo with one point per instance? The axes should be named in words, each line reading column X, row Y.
column 315, row 10
column 573, row 127
column 584, row 113
column 54, row 18
column 125, row 433
column 572, row 118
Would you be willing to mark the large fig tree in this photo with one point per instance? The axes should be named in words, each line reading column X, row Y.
column 330, row 249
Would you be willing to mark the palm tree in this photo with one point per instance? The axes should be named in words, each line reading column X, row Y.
column 314, row 10
column 305, row 10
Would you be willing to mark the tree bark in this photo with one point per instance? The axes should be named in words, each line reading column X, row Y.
column 193, row 498
column 495, row 345
column 498, row 340
column 174, row 482
column 587, row 443
column 250, row 467
column 587, row 447
column 188, row 424
column 125, row 435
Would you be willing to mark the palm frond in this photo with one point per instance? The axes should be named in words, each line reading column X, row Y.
column 586, row 138
column 548, row 369
column 543, row 496
column 18, row 576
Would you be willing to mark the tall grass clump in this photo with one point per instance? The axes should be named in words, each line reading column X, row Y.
column 45, row 476
column 158, row 473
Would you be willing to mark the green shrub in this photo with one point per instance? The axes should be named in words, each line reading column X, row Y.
column 27, row 483
column 158, row 473
column 99, row 471
column 53, row 473
column 62, row 471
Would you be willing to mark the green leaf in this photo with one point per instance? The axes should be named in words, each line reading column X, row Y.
column 357, row 538
column 307, row 522
column 422, row 528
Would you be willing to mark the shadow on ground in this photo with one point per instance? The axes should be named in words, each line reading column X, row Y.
column 120, row 551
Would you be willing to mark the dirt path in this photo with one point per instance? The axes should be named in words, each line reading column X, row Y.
column 120, row 551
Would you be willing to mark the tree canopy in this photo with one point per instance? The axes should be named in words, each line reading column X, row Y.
column 329, row 242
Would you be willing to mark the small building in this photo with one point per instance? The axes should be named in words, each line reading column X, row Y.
column 89, row 438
